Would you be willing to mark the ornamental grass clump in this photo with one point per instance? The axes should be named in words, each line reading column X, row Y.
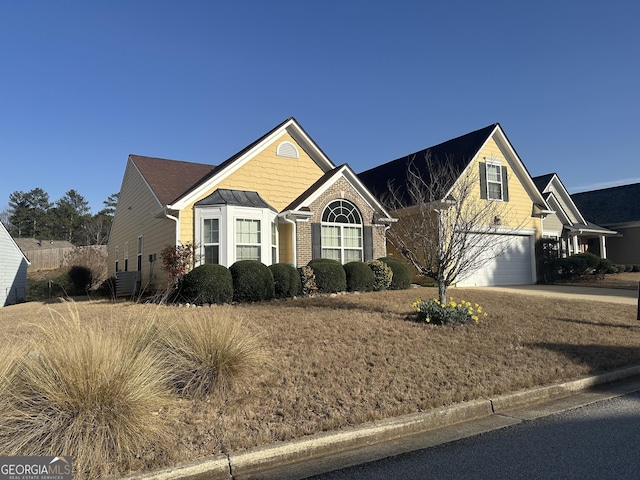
column 452, row 313
column 208, row 352
column 95, row 394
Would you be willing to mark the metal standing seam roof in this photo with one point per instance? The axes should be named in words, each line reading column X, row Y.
column 242, row 198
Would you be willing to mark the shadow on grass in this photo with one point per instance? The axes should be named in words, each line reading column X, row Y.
column 601, row 324
column 599, row 358
column 342, row 302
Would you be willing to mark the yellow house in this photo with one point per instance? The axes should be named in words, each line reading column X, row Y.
column 500, row 177
column 280, row 199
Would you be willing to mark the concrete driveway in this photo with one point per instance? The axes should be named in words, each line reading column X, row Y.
column 611, row 295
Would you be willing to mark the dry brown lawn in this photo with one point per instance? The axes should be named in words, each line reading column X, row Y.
column 354, row 358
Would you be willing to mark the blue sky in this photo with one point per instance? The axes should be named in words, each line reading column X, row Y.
column 84, row 84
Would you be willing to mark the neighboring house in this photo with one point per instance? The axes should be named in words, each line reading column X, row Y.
column 501, row 177
column 280, row 199
column 13, row 270
column 45, row 254
column 617, row 208
column 567, row 225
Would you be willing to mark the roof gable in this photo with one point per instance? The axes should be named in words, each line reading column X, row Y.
column 456, row 154
column 610, row 206
column 289, row 126
column 302, row 203
column 551, row 183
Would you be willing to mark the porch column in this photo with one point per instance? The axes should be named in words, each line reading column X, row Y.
column 603, row 247
column 576, row 244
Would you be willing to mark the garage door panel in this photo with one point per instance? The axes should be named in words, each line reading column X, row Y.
column 512, row 267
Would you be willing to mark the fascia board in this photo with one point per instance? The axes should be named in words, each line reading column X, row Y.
column 17, row 247
column 290, row 127
column 558, row 208
column 566, row 200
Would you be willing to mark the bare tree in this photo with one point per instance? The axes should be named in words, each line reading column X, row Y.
column 444, row 227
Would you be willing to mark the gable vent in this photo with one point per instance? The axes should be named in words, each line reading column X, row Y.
column 287, row 149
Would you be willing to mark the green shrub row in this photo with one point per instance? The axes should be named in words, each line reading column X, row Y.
column 252, row 281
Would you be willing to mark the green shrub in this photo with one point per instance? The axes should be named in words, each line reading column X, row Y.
column 628, row 268
column 401, row 273
column 360, row 277
column 382, row 274
column 308, row 280
column 209, row 283
column 81, row 278
column 38, row 290
column 252, row 281
column 330, row 275
column 605, row 266
column 572, row 266
column 286, row 279
column 592, row 261
column 636, row 268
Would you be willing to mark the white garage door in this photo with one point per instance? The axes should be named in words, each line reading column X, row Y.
column 513, row 267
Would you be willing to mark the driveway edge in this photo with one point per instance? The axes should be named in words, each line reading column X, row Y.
column 252, row 462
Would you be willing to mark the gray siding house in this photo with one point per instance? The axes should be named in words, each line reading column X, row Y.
column 13, row 270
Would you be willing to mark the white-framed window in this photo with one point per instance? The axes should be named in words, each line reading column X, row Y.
column 494, row 182
column 139, row 255
column 117, row 258
column 227, row 233
column 248, row 239
column 211, row 240
column 126, row 256
column 274, row 243
column 341, row 233
column 495, row 189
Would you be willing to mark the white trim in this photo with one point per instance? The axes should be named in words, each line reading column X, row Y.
column 14, row 243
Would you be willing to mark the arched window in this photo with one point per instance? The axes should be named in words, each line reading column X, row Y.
column 342, row 232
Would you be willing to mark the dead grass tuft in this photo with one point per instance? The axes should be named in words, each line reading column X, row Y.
column 209, row 351
column 83, row 391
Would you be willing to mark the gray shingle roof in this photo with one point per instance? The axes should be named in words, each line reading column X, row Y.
column 457, row 153
column 610, row 206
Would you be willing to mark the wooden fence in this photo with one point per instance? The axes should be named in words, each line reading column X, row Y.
column 48, row 259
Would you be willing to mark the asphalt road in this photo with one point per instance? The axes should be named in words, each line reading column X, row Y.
column 598, row 441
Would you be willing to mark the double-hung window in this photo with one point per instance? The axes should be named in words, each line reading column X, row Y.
column 342, row 232
column 248, row 244
column 211, row 240
column 495, row 188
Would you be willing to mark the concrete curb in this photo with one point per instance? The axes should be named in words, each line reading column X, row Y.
column 253, row 462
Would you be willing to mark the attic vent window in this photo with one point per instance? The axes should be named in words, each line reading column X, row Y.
column 287, row 149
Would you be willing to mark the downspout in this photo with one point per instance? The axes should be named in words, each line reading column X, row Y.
column 177, row 220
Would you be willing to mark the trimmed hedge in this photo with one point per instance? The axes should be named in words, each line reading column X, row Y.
column 252, row 281
column 360, row 277
column 330, row 275
column 591, row 260
column 209, row 283
column 401, row 273
column 286, row 279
